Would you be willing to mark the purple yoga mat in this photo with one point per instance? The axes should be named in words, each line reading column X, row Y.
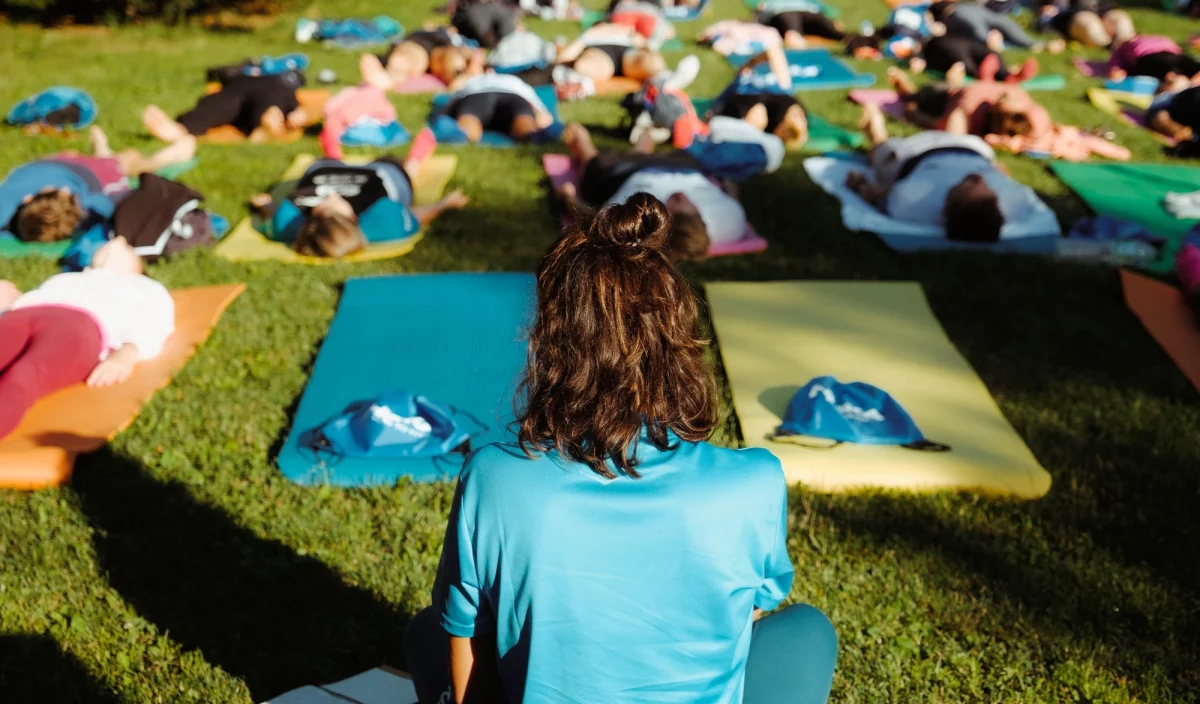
column 425, row 83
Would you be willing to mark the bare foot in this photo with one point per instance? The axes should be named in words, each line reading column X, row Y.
column 577, row 138
column 995, row 41
column 273, row 125
column 916, row 65
column 873, row 124
column 957, row 75
column 455, row 199
column 161, row 125
column 100, row 145
column 900, row 81
column 757, row 117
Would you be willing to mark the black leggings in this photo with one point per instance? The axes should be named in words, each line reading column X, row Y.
column 537, row 76
column 486, row 22
column 497, row 111
column 1160, row 64
column 1184, row 108
column 616, row 53
column 812, row 24
column 931, row 100
column 608, row 171
column 241, row 103
column 943, row 52
column 777, row 105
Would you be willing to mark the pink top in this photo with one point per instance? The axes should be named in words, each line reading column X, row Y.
column 737, row 37
column 106, row 169
column 348, row 106
column 1125, row 57
column 976, row 100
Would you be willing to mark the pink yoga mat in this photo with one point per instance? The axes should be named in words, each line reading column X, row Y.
column 426, row 83
column 1090, row 68
column 887, row 100
column 560, row 169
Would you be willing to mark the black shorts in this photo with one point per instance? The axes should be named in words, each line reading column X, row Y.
column 608, row 171
column 486, row 23
column 812, row 24
column 932, row 100
column 241, row 103
column 536, row 76
column 777, row 105
column 616, row 52
column 1160, row 64
column 497, row 111
column 428, row 40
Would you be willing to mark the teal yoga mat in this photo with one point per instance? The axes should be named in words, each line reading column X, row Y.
column 831, row 73
column 823, row 136
column 1135, row 192
column 458, row 339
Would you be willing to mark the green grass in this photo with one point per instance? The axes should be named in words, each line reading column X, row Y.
column 179, row 566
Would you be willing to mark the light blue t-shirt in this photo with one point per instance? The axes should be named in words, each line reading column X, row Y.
column 920, row 196
column 623, row 590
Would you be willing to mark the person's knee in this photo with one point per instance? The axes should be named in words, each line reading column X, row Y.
column 523, row 126
column 1087, row 28
column 813, row 626
column 471, row 126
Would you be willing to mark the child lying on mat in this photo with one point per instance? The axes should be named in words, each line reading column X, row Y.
column 1151, row 55
column 937, row 177
column 1091, row 23
column 607, row 51
column 337, row 209
column 702, row 213
column 766, row 101
column 1004, row 114
column 498, row 103
column 611, row 442
column 91, row 326
column 52, row 199
column 440, row 51
column 260, row 107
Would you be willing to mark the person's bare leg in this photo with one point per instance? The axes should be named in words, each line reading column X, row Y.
column 161, row 126
column 1162, row 123
column 1088, row 29
column 99, row 140
column 873, row 125
column 373, row 73
column 957, row 122
column 956, row 76
column 273, row 125
column 453, row 200
column 579, row 143
column 472, row 127
column 777, row 60
column 523, row 126
column 902, row 83
column 757, row 117
column 134, row 163
column 595, row 64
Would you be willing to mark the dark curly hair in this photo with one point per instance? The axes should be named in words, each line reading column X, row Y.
column 615, row 348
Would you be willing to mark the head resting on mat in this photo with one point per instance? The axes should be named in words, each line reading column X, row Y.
column 330, row 230
column 972, row 211
column 615, row 349
column 689, row 239
column 49, row 216
column 118, row 256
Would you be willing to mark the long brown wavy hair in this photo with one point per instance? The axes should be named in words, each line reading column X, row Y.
column 615, row 348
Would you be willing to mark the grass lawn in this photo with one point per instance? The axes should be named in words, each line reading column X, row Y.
column 179, row 565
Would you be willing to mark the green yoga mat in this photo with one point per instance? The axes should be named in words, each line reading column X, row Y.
column 822, row 136
column 1045, row 81
column 1135, row 192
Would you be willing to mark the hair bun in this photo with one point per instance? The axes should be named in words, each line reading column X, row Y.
column 641, row 221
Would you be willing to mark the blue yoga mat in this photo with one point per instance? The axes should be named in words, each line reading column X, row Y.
column 831, row 73
column 685, row 13
column 458, row 339
column 447, row 131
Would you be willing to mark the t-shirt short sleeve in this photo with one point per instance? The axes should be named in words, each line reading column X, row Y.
column 458, row 593
column 777, row 567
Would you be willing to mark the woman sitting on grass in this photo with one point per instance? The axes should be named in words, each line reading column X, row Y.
column 610, row 554
column 337, row 209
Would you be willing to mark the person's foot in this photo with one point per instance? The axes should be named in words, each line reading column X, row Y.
column 455, row 199
column 373, row 73
column 99, row 140
column 161, row 126
column 995, row 41
column 957, row 75
column 757, row 117
column 916, row 65
column 989, row 67
column 900, row 81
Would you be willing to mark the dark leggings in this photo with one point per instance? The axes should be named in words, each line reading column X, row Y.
column 537, row 76
column 1184, row 108
column 608, row 171
column 943, row 52
column 1160, row 64
column 811, row 24
column 792, row 657
column 486, row 22
column 777, row 105
column 497, row 111
column 241, row 103
column 931, row 100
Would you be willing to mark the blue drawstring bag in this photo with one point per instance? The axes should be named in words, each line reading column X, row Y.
column 826, row 409
column 393, row 425
column 40, row 108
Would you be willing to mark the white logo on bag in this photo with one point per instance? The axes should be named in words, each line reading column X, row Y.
column 847, row 410
column 415, row 426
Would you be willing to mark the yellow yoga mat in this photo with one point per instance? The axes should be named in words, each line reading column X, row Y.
column 775, row 337
column 245, row 244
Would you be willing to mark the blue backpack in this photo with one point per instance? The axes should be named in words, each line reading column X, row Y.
column 858, row 412
column 394, row 425
column 41, row 108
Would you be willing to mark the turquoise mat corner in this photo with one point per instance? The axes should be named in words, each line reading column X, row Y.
column 457, row 338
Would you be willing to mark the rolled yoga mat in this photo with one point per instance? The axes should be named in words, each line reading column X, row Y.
column 775, row 337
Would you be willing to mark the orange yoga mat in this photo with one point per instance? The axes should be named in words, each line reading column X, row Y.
column 311, row 99
column 1168, row 318
column 41, row 451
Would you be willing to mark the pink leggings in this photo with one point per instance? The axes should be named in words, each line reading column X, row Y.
column 42, row 350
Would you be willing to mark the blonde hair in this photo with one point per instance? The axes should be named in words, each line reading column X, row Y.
column 331, row 235
column 49, row 217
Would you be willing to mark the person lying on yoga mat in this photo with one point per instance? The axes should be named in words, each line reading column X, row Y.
column 337, row 209
column 1151, row 55
column 607, row 51
column 939, row 178
column 796, row 19
column 1002, row 113
column 986, row 26
column 1089, row 22
column 1175, row 110
column 766, row 101
column 91, row 326
column 583, row 562
column 729, row 37
column 486, row 23
column 364, row 103
column 439, row 51
column 646, row 18
column 702, row 213
column 500, row 103
column 260, row 107
column 979, row 61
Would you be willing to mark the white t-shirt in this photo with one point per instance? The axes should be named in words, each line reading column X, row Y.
column 128, row 309
column 722, row 215
column 918, row 197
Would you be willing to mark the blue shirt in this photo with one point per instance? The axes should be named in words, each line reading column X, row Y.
column 379, row 192
column 32, row 178
column 622, row 590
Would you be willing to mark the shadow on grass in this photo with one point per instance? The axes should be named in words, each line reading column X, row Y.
column 252, row 606
column 34, row 668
